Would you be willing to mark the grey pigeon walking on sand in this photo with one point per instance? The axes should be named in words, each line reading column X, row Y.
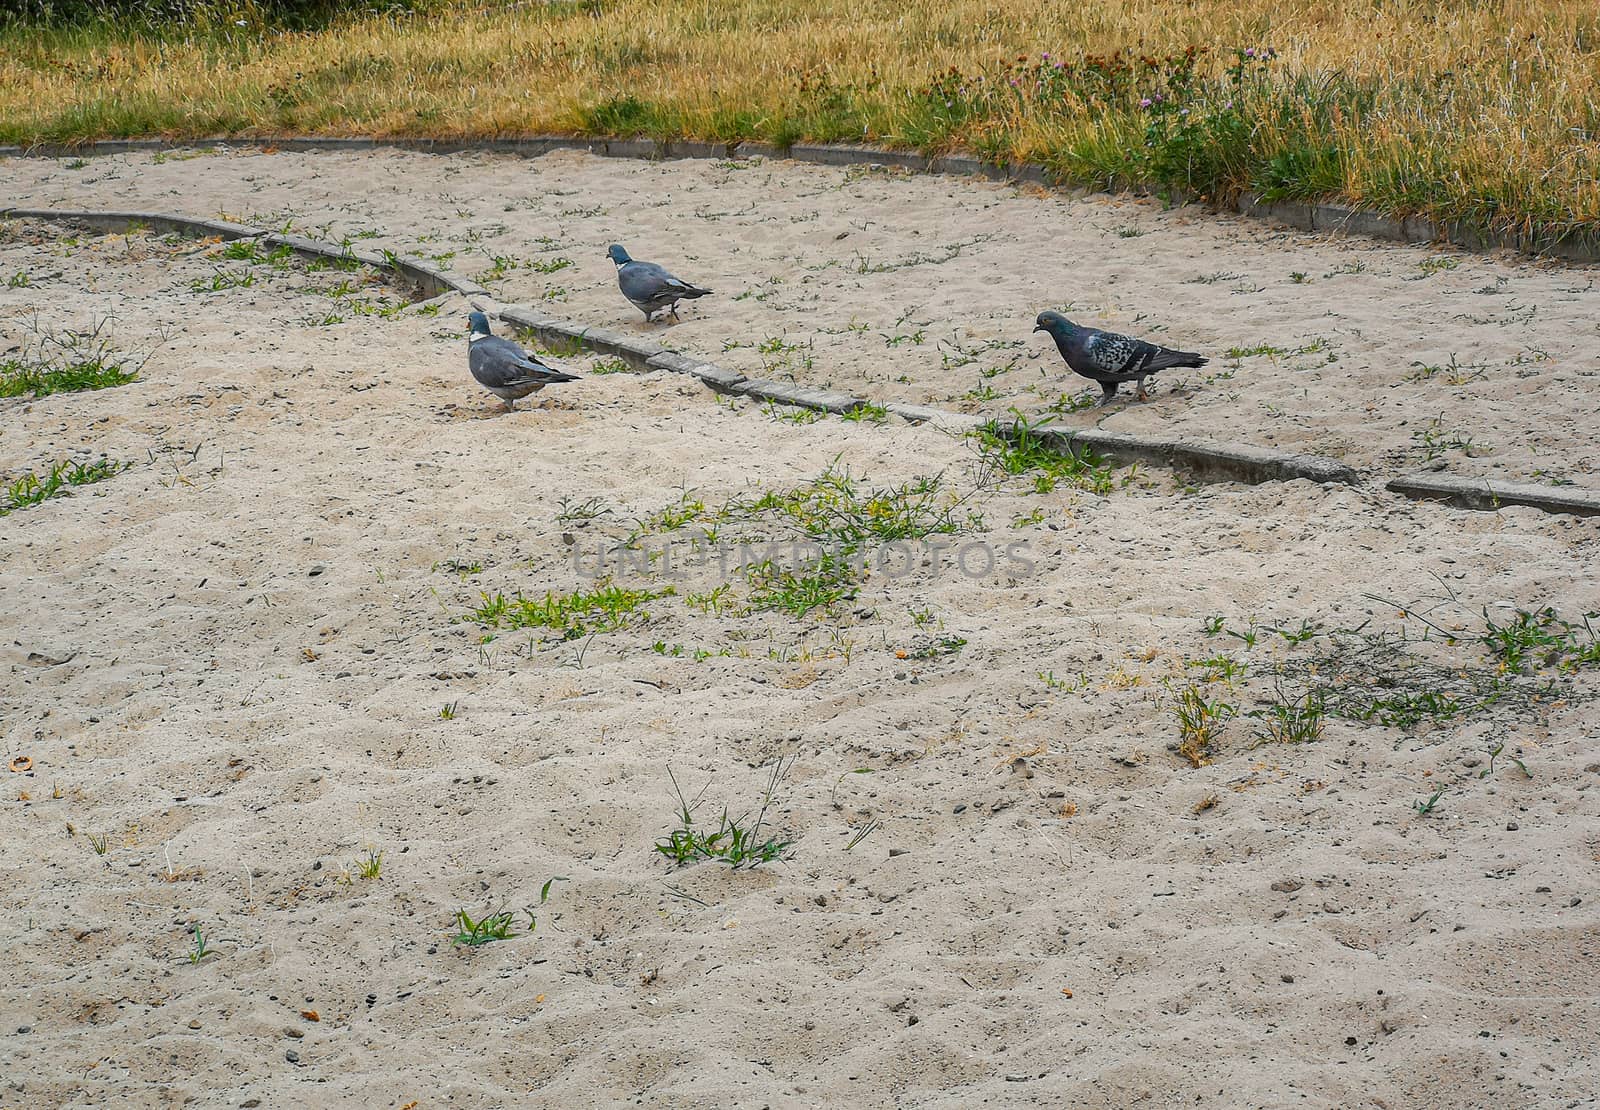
column 1109, row 358
column 648, row 286
column 505, row 369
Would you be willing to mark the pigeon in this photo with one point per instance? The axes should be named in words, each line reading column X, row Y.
column 505, row 369
column 648, row 286
column 1109, row 358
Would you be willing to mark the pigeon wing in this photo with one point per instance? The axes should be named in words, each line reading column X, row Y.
column 501, row 364
column 643, row 282
column 1110, row 357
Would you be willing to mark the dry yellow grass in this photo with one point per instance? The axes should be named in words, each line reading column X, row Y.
column 1480, row 110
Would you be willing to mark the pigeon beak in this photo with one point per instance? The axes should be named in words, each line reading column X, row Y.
column 1039, row 328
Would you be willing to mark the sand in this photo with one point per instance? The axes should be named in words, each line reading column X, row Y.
column 232, row 658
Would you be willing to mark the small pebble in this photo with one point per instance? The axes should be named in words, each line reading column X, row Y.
column 292, row 1056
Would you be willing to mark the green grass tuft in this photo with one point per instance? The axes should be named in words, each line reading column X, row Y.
column 58, row 481
column 604, row 609
column 1019, row 448
column 736, row 841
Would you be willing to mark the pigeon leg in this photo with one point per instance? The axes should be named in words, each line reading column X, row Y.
column 1110, row 392
column 675, row 310
column 511, row 406
column 1143, row 396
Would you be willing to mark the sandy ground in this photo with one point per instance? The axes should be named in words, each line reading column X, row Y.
column 230, row 661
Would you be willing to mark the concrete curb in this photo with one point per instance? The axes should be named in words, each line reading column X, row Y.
column 426, row 278
column 1205, row 461
column 1575, row 245
column 1484, row 493
column 800, row 396
column 113, row 222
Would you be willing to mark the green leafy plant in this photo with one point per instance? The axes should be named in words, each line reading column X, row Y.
column 1292, row 720
column 221, row 280
column 1064, row 685
column 714, row 602
column 486, row 929
column 572, row 511
column 1539, row 637
column 1020, row 447
column 32, row 489
column 1220, row 668
column 736, row 841
column 1434, row 439
column 866, row 413
column 68, row 362
column 497, row 925
column 603, row 609
column 1495, row 752
column 201, row 949
column 938, row 649
column 1200, row 723
column 1424, row 808
column 800, row 591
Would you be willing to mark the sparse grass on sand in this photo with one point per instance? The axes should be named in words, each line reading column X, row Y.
column 1485, row 112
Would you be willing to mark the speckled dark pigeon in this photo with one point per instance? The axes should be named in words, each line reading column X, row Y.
column 1109, row 358
column 649, row 287
column 505, row 369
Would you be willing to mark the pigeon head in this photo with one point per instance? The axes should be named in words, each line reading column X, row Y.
column 617, row 254
column 1054, row 323
column 479, row 323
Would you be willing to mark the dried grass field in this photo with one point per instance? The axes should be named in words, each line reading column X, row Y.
column 1485, row 111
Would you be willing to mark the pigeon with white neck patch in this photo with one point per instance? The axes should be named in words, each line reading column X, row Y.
column 505, row 369
column 1109, row 358
column 649, row 287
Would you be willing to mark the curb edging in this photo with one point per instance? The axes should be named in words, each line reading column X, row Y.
column 1204, row 461
column 1491, row 495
